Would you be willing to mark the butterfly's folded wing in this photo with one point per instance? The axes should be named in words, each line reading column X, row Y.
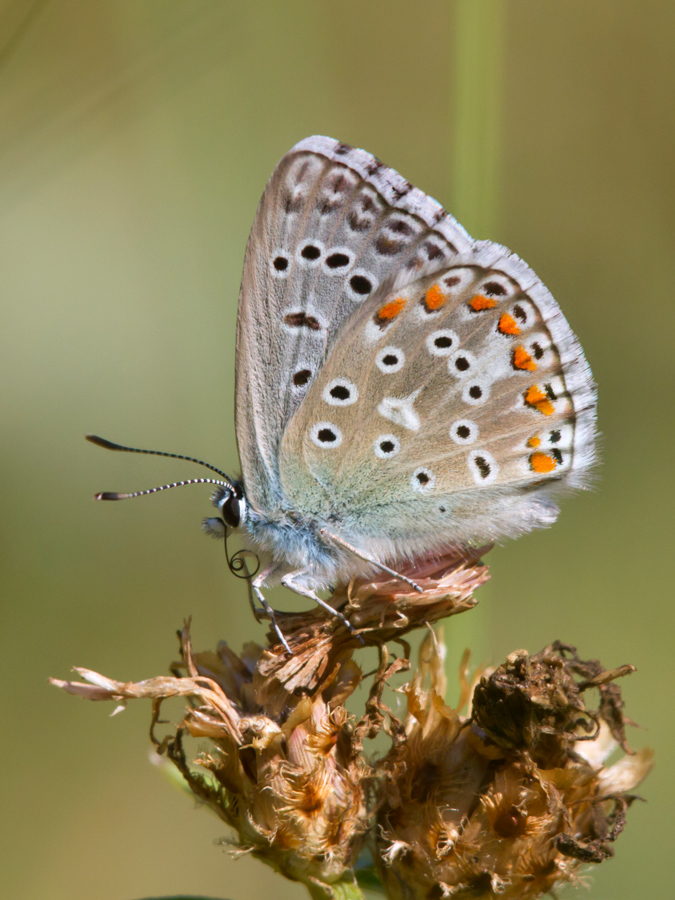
column 333, row 224
column 399, row 381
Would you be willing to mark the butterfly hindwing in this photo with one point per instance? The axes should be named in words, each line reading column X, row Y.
column 438, row 414
column 394, row 377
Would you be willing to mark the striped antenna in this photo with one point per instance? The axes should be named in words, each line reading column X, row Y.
column 108, row 445
column 113, row 495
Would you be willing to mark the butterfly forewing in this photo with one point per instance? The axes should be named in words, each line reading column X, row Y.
column 332, row 226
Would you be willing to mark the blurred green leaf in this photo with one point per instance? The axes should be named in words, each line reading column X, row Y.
column 369, row 881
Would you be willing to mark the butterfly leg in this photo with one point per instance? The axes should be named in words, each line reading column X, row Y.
column 342, row 543
column 291, row 583
column 256, row 584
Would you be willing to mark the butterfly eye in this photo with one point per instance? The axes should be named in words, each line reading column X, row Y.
column 325, row 434
column 231, row 511
column 422, row 480
column 464, row 431
column 340, row 392
column 482, row 466
column 390, row 359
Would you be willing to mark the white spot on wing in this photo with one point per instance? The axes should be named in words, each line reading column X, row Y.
column 476, row 392
column 462, row 364
column 442, row 342
column 280, row 258
column 422, row 480
column 313, row 246
column 321, row 435
column 390, row 359
column 340, row 392
column 483, row 466
column 382, row 447
column 360, row 284
column 334, row 264
column 400, row 411
column 464, row 431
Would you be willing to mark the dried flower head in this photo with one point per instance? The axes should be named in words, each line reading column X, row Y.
column 506, row 795
column 292, row 783
column 506, row 801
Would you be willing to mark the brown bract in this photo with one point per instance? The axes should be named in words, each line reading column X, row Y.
column 504, row 796
column 379, row 611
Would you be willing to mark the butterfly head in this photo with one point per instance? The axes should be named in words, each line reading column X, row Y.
column 231, row 503
column 229, row 497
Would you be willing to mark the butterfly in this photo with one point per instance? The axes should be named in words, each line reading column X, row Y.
column 401, row 389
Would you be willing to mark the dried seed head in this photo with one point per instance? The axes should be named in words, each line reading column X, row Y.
column 504, row 796
column 535, row 703
column 509, row 802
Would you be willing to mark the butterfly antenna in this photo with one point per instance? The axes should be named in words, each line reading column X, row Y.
column 108, row 445
column 113, row 495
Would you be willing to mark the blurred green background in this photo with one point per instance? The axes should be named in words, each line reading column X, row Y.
column 136, row 139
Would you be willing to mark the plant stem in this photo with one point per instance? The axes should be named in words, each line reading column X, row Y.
column 341, row 890
column 478, row 44
column 478, row 48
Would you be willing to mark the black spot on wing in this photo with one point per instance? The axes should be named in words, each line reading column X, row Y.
column 302, row 320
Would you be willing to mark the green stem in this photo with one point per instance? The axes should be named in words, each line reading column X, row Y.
column 341, row 890
column 478, row 48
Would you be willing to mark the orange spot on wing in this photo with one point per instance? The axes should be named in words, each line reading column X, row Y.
column 542, row 463
column 534, row 441
column 390, row 310
column 536, row 398
column 508, row 325
column 479, row 303
column 435, row 298
column 522, row 360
